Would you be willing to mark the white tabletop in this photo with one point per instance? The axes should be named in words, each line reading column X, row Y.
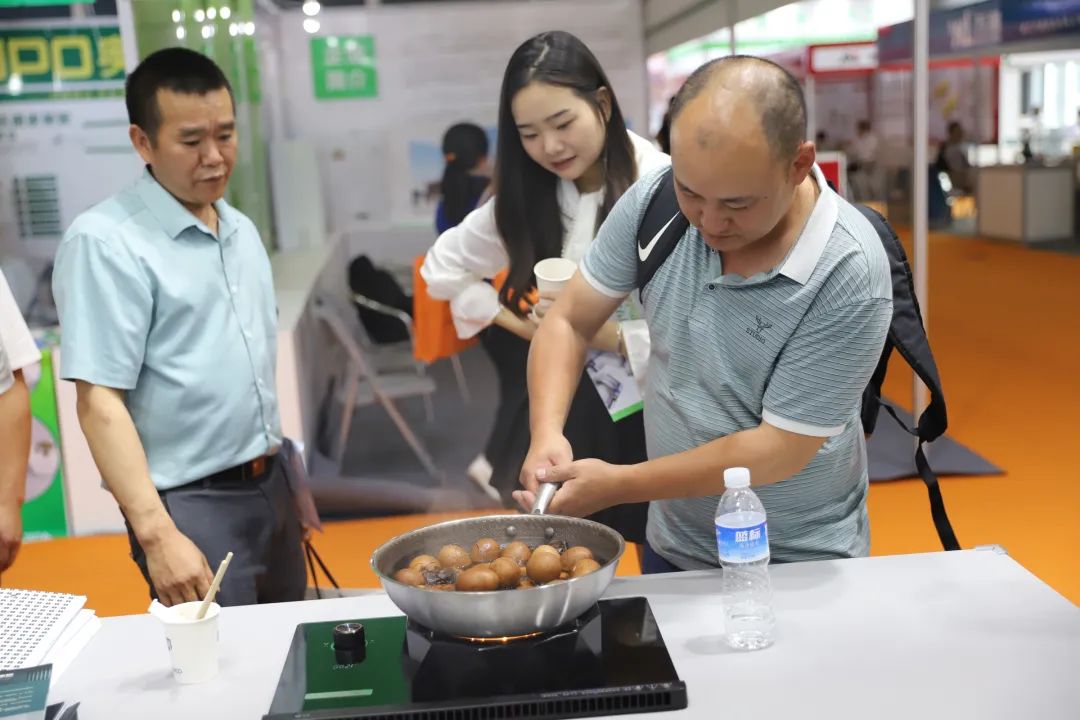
column 945, row 635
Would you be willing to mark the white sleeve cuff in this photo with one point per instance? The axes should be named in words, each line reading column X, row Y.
column 638, row 343
column 800, row 428
column 474, row 308
column 599, row 286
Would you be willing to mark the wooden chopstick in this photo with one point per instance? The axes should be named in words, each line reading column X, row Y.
column 213, row 587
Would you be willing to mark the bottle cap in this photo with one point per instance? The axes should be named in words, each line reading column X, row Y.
column 737, row 477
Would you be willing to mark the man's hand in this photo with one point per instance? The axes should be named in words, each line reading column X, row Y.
column 178, row 569
column 587, row 487
column 546, row 451
column 10, row 533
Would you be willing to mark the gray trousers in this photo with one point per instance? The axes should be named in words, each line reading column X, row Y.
column 253, row 519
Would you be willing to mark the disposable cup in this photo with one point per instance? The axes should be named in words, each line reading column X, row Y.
column 553, row 274
column 193, row 644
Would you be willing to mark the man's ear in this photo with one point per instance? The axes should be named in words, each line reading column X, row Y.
column 805, row 157
column 141, row 142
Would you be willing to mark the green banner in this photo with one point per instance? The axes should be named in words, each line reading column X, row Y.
column 343, row 67
column 43, row 512
column 61, row 62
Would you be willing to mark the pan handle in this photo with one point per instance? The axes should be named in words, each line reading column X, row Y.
column 543, row 497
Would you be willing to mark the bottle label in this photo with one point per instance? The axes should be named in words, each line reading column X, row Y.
column 744, row 544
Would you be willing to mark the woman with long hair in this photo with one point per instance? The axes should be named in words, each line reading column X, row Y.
column 465, row 178
column 564, row 157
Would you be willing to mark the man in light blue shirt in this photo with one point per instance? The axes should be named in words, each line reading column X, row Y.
column 168, row 322
column 767, row 321
column 18, row 352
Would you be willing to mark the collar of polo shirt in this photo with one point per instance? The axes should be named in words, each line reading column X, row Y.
column 803, row 258
column 174, row 217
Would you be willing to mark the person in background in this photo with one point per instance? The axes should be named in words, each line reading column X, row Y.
column 953, row 160
column 169, row 331
column 564, row 158
column 767, row 320
column 18, row 351
column 822, row 142
column 466, row 177
column 466, row 181
column 862, row 163
column 1036, row 133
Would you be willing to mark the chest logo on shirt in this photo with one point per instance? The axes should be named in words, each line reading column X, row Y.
column 762, row 325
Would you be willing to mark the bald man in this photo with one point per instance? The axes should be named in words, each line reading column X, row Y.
column 767, row 321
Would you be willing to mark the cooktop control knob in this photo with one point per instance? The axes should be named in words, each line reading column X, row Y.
column 349, row 643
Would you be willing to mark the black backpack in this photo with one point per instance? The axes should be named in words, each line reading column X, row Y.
column 374, row 283
column 664, row 225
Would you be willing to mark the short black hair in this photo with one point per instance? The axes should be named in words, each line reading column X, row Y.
column 177, row 69
column 778, row 97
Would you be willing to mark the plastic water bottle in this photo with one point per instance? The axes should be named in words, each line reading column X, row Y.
column 742, row 540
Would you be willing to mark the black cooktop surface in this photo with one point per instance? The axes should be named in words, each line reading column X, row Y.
column 610, row 661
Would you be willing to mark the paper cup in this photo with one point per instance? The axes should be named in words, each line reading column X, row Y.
column 553, row 274
column 193, row 644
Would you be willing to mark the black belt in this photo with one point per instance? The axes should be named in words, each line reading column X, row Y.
column 246, row 473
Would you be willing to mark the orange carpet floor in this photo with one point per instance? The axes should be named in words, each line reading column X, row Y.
column 1005, row 324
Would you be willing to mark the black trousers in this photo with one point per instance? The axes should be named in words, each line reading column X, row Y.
column 256, row 521
column 589, row 429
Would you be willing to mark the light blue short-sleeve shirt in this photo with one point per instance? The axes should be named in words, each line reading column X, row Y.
column 794, row 347
column 153, row 303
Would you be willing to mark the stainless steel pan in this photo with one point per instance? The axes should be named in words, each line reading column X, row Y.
column 501, row 613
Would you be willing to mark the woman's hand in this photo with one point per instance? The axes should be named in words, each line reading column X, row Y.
column 524, row 327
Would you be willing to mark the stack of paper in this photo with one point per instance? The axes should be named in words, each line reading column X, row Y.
column 40, row 628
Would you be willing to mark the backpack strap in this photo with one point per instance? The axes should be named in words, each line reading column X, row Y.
column 907, row 335
column 906, row 332
column 661, row 228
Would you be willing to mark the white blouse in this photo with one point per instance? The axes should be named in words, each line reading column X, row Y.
column 464, row 256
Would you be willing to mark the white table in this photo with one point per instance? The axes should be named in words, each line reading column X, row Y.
column 946, row 635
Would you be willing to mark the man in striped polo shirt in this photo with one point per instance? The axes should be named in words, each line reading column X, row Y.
column 767, row 322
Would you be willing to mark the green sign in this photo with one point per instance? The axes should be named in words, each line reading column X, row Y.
column 343, row 67
column 43, row 513
column 61, row 62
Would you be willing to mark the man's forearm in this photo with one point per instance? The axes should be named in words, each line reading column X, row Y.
column 771, row 454
column 121, row 460
column 14, row 441
column 556, row 357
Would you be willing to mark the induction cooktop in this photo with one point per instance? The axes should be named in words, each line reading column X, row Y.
column 610, row 661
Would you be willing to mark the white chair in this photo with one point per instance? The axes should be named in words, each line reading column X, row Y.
column 404, row 349
column 365, row 383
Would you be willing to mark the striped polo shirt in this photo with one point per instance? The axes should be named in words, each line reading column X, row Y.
column 793, row 347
